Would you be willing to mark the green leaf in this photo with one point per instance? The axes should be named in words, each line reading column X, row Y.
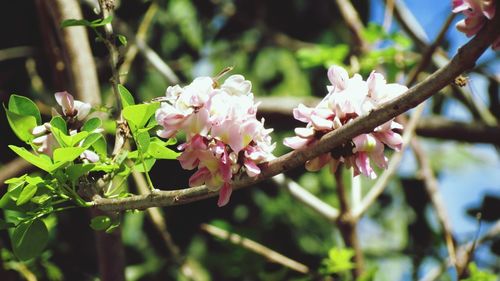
column 138, row 115
column 74, row 22
column 100, row 147
column 125, row 96
column 74, row 172
column 91, row 139
column 59, row 123
column 67, row 154
column 27, row 193
column 24, row 106
column 41, row 162
column 68, row 141
column 148, row 162
column 20, row 179
column 479, row 275
column 339, row 260
column 100, row 222
column 322, row 55
column 161, row 152
column 92, row 124
column 22, row 125
column 122, row 39
column 142, row 139
column 29, row 239
column 101, row 22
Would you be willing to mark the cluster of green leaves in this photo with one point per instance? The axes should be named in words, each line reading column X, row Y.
column 66, row 175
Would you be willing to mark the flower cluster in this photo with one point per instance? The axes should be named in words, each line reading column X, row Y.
column 223, row 136
column 75, row 112
column 476, row 12
column 347, row 99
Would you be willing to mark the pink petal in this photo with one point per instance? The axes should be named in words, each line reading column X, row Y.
column 224, row 194
column 251, row 168
column 338, row 77
column 321, row 123
column 302, row 113
column 199, row 177
column 66, row 101
column 295, row 142
column 363, row 164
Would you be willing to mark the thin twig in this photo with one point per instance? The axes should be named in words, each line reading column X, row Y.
column 256, row 248
column 417, row 33
column 157, row 218
column 307, row 198
column 149, row 54
column 463, row 252
column 396, row 158
column 465, row 59
column 347, row 225
column 431, row 186
column 429, row 52
column 142, row 35
column 354, row 23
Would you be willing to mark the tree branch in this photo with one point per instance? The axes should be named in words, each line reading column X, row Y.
column 463, row 60
column 347, row 225
column 307, row 198
column 255, row 247
column 431, row 185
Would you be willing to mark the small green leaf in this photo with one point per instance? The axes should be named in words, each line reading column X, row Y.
column 138, row 115
column 26, row 194
column 67, row 154
column 22, row 125
column 161, row 152
column 92, row 124
column 91, row 139
column 40, row 199
column 41, row 162
column 59, row 123
column 142, row 139
column 148, row 162
column 101, row 22
column 100, row 147
column 74, row 22
column 16, row 180
column 24, row 106
column 74, row 172
column 68, row 141
column 122, row 39
column 29, row 239
column 126, row 96
column 100, row 222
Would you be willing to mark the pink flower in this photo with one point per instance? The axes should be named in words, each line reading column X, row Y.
column 223, row 136
column 347, row 99
column 476, row 12
column 71, row 107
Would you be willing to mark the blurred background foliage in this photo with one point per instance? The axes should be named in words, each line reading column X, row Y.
column 284, row 48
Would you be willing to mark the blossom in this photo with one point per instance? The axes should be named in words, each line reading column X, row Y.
column 476, row 12
column 223, row 136
column 71, row 109
column 347, row 99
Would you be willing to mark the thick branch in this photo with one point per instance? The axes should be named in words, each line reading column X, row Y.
column 465, row 59
column 75, row 42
